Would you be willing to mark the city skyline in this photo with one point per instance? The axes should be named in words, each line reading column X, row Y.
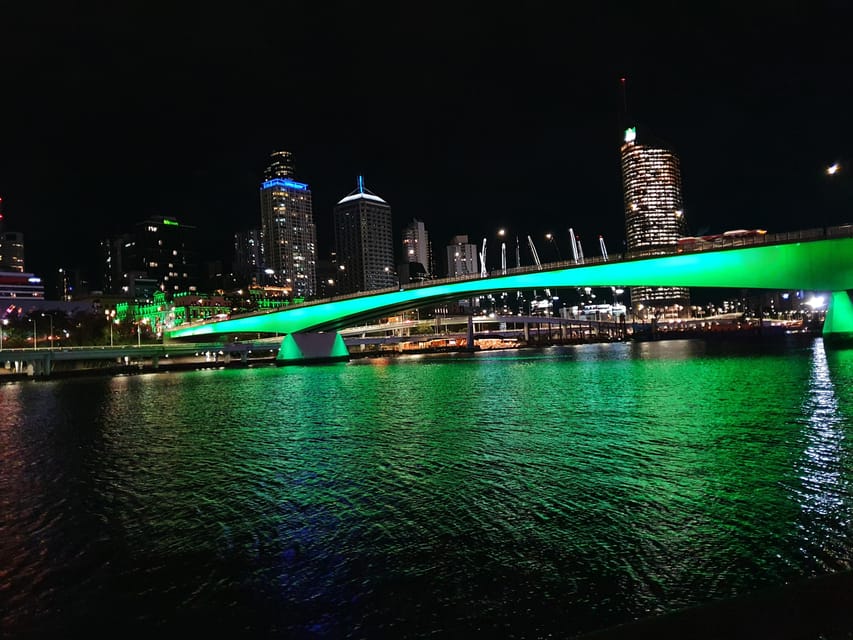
column 483, row 122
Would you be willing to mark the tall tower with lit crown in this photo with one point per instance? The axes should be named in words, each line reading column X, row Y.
column 654, row 217
column 363, row 241
column 287, row 226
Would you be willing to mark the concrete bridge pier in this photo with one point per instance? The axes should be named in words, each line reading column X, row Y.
column 312, row 348
column 838, row 325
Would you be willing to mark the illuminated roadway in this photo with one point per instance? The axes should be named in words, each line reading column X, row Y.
column 810, row 260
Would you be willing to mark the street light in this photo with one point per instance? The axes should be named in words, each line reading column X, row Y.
column 35, row 334
column 110, row 314
column 550, row 236
column 51, row 329
column 2, row 324
column 139, row 331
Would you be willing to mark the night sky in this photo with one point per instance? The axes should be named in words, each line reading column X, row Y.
column 470, row 120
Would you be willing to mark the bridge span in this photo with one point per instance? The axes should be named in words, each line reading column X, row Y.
column 812, row 260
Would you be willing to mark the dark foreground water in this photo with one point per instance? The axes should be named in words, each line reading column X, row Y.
column 513, row 494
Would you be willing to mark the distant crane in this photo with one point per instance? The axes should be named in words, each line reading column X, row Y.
column 483, row 271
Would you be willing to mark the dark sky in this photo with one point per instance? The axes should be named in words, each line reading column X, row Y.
column 468, row 119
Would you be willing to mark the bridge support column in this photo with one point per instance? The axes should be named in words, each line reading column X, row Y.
column 469, row 342
column 838, row 325
column 311, row 348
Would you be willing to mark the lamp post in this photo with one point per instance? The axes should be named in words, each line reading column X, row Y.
column 143, row 321
column 50, row 316
column 110, row 314
column 35, row 334
column 2, row 324
column 550, row 237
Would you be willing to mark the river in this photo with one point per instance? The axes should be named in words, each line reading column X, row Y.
column 505, row 494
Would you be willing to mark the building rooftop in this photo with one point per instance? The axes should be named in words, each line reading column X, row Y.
column 361, row 192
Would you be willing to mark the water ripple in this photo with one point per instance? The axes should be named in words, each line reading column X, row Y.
column 519, row 493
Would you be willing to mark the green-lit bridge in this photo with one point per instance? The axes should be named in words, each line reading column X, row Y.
column 811, row 260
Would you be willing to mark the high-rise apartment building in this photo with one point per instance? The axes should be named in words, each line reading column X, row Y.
column 11, row 247
column 11, row 251
column 416, row 244
column 248, row 257
column 461, row 257
column 165, row 249
column 160, row 254
column 654, row 217
column 287, row 228
column 363, row 241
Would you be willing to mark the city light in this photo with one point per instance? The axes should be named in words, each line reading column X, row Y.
column 282, row 182
column 832, row 169
column 816, row 302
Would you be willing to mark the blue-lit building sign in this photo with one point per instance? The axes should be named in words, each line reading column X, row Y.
column 283, row 182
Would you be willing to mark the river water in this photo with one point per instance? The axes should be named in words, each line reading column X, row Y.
column 505, row 494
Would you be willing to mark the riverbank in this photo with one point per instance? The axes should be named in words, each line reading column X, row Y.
column 735, row 337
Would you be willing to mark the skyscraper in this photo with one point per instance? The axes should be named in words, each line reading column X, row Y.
column 363, row 241
column 11, row 247
column 11, row 251
column 287, row 228
column 165, row 250
column 654, row 216
column 248, row 257
column 461, row 257
column 416, row 244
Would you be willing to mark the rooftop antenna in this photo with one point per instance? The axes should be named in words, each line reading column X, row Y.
column 623, row 82
column 361, row 184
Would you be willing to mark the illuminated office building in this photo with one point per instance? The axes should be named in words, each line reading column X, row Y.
column 416, row 244
column 289, row 237
column 654, row 217
column 159, row 255
column 461, row 257
column 11, row 251
column 363, row 241
column 248, row 257
column 11, row 247
column 164, row 249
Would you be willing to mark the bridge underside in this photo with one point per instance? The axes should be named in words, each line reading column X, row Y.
column 821, row 265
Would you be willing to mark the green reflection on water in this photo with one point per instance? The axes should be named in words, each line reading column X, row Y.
column 616, row 480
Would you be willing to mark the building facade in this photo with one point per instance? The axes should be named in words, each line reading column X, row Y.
column 289, row 236
column 159, row 255
column 363, row 242
column 248, row 257
column 165, row 250
column 461, row 257
column 11, row 251
column 654, row 218
column 416, row 244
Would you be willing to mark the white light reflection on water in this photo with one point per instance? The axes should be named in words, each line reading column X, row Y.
column 822, row 469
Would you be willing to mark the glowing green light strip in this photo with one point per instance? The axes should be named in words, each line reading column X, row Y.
column 822, row 265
